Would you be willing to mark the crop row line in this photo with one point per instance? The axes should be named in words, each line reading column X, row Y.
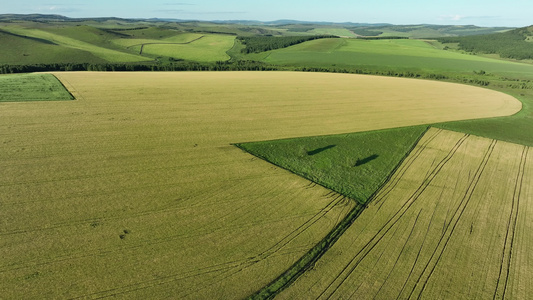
column 365, row 250
column 434, row 260
column 397, row 258
column 402, row 169
column 302, row 228
column 231, row 268
column 152, row 241
column 272, row 289
column 507, row 251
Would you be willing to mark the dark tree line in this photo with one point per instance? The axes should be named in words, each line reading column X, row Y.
column 365, row 31
column 383, row 38
column 245, row 65
column 511, row 44
column 240, row 65
column 256, row 44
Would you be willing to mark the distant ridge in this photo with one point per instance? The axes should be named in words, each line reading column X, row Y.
column 283, row 22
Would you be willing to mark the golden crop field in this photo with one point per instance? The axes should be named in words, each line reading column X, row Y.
column 134, row 189
column 452, row 223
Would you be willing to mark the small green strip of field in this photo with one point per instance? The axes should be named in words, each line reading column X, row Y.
column 354, row 165
column 32, row 87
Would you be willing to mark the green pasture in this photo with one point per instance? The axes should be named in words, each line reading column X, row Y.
column 83, row 33
column 107, row 54
column 17, row 50
column 149, row 32
column 333, row 31
column 209, row 48
column 391, row 54
column 355, row 165
column 32, row 87
column 179, row 38
column 434, row 31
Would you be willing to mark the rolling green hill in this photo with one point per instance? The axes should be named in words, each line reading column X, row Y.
column 514, row 44
column 21, row 50
column 415, row 55
column 85, row 42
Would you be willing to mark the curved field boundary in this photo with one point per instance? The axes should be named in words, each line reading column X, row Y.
column 185, row 43
column 144, row 178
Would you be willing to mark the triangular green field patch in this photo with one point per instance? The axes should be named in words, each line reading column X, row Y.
column 354, row 164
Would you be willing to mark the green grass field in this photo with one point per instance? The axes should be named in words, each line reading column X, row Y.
column 26, row 51
column 343, row 32
column 414, row 55
column 106, row 54
column 354, row 165
column 208, row 48
column 32, row 87
column 178, row 38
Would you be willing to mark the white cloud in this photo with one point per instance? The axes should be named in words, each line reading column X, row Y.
column 58, row 8
column 454, row 18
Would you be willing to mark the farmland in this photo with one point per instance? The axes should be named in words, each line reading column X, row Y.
column 446, row 206
column 32, row 87
column 134, row 190
column 207, row 48
column 74, row 43
column 86, row 44
column 415, row 55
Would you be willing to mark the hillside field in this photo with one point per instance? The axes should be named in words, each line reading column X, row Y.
column 413, row 55
column 134, row 188
column 207, row 48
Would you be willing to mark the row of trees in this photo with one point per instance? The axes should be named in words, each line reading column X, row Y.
column 383, row 38
column 256, row 44
column 511, row 44
column 240, row 65
column 365, row 31
column 245, row 65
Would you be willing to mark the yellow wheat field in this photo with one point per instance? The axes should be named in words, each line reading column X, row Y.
column 453, row 222
column 134, row 190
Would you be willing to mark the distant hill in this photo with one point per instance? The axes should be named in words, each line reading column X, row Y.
column 54, row 39
column 281, row 27
column 513, row 44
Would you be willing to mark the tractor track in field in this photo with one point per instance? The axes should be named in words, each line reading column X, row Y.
column 507, row 251
column 144, row 44
column 233, row 267
column 417, row 255
column 381, row 195
column 227, row 269
column 443, row 242
column 399, row 255
column 365, row 250
column 267, row 293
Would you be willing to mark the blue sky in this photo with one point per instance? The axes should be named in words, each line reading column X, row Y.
column 514, row 13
